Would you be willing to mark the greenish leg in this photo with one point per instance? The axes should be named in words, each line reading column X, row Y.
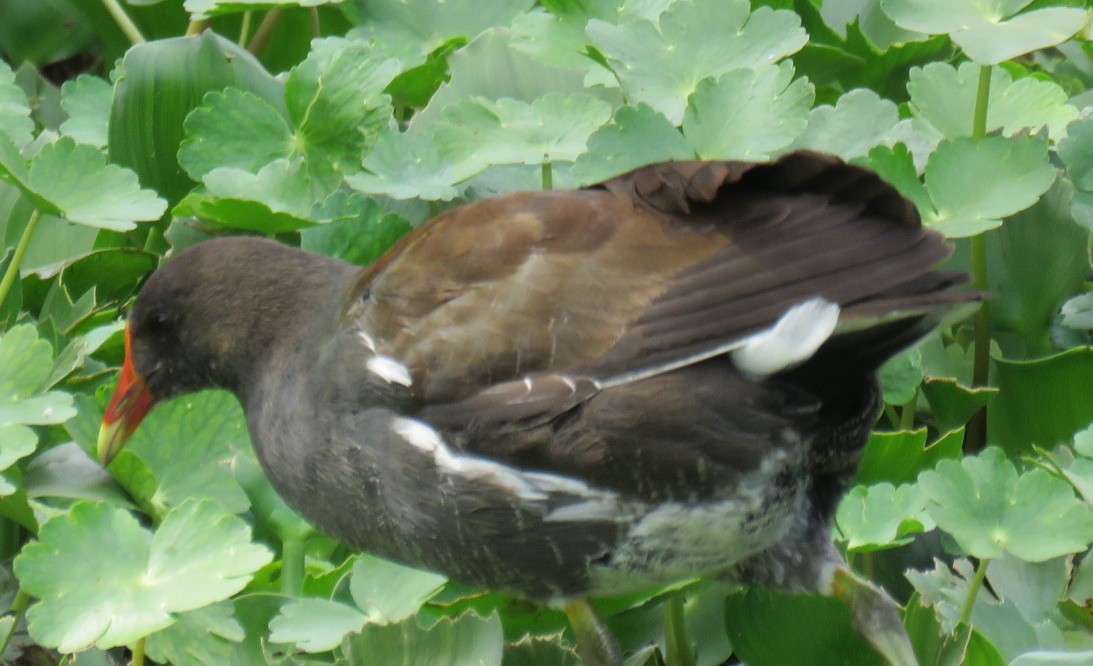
column 595, row 643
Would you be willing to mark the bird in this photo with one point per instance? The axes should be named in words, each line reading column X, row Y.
column 566, row 394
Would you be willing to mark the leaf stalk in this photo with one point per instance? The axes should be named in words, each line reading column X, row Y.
column 17, row 259
column 678, row 648
column 976, row 434
column 19, row 605
column 130, row 29
column 973, row 591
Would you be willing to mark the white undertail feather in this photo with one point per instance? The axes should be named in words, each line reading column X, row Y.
column 792, row 340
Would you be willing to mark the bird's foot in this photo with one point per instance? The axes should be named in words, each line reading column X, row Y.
column 595, row 643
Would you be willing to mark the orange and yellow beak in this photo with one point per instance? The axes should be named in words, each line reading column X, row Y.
column 130, row 402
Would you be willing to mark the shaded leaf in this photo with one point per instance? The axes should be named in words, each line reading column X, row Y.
column 636, row 136
column 86, row 100
column 388, row 592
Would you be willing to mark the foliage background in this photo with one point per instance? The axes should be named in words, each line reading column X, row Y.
column 130, row 131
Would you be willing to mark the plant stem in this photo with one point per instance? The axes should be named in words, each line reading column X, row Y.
column 196, row 27
column 292, row 565
column 138, row 653
column 19, row 605
column 907, row 414
column 313, row 20
column 973, row 591
column 892, row 415
column 132, row 32
column 548, row 176
column 244, row 29
column 678, row 648
column 975, row 437
column 265, row 31
column 17, row 258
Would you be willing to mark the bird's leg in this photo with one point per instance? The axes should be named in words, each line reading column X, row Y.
column 595, row 643
column 875, row 616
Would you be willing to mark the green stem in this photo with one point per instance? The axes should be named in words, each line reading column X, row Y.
column 244, row 29
column 976, row 434
column 17, row 258
column 892, row 415
column 548, row 176
column 313, row 21
column 973, row 591
column 132, row 32
column 138, row 653
column 908, row 411
column 19, row 605
column 292, row 565
column 679, row 652
column 265, row 31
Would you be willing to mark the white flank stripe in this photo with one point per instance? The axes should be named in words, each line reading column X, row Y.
column 390, row 370
column 793, row 339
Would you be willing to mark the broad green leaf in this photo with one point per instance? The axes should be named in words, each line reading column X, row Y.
column 553, row 128
column 75, row 180
column 1076, row 152
column 15, row 119
column 406, row 165
column 1054, row 658
column 637, row 136
column 990, row 510
column 932, row 644
column 988, row 31
column 822, row 633
column 336, row 102
column 661, row 61
column 873, row 23
column 747, row 114
column 16, row 441
column 199, row 638
column 26, row 361
column 944, row 96
column 361, row 234
column 188, row 444
column 67, row 471
column 388, row 592
column 952, row 404
column 197, row 556
column 467, row 639
column 86, row 100
column 881, row 516
column 1041, row 402
column 233, row 128
column 898, row 457
column 203, row 9
column 160, row 82
column 973, row 184
column 558, row 38
column 315, row 625
column 857, row 122
column 274, row 200
column 1034, row 262
column 896, row 165
column 430, row 23
column 900, row 377
column 532, row 650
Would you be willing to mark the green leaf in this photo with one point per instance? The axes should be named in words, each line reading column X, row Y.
column 199, row 637
column 900, row 377
column 757, row 621
column 1034, row 262
column 944, row 97
column 86, row 100
column 1076, row 152
column 988, row 31
column 388, row 592
column 74, row 180
column 16, row 441
column 430, row 23
column 27, row 361
column 661, row 61
column 233, row 128
column 15, row 119
column 636, row 136
column 188, row 444
column 859, row 121
column 954, row 404
column 896, row 165
column 898, row 457
column 315, row 625
column 406, row 165
column 468, row 639
column 197, row 556
column 1041, row 402
column 882, row 516
column 747, row 114
column 534, row 650
column 553, row 128
column 990, row 510
column 275, row 200
column 67, row 471
column 359, row 238
column 336, row 103
column 974, row 184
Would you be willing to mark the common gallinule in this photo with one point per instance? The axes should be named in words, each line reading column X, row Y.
column 567, row 394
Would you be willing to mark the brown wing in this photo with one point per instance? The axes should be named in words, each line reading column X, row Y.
column 652, row 268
